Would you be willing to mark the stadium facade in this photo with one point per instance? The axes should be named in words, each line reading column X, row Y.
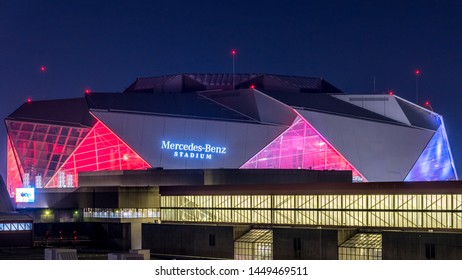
column 193, row 166
column 198, row 121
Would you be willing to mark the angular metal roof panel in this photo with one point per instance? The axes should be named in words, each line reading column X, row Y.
column 224, row 81
column 68, row 112
column 385, row 105
column 220, row 80
column 254, row 104
column 308, row 84
column 172, row 104
column 327, row 104
column 419, row 116
column 148, row 83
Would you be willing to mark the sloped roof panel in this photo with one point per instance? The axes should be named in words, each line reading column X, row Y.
column 220, row 79
column 146, row 84
column 418, row 116
column 308, row 84
column 172, row 104
column 254, row 104
column 385, row 105
column 69, row 112
column 326, row 103
column 224, row 81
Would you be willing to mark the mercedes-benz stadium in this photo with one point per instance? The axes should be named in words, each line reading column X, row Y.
column 208, row 121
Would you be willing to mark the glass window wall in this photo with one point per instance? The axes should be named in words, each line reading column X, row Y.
column 362, row 246
column 438, row 211
column 257, row 244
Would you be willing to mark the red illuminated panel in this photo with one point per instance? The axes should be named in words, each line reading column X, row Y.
column 41, row 149
column 13, row 177
column 301, row 147
column 101, row 150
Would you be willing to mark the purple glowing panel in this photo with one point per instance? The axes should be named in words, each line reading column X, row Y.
column 435, row 163
column 301, row 147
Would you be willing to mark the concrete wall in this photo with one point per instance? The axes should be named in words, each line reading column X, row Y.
column 305, row 244
column 398, row 245
column 189, row 240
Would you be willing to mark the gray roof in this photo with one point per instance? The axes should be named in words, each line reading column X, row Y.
column 68, row 112
column 224, row 81
column 419, row 117
column 191, row 105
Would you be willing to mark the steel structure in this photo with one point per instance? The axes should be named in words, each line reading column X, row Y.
column 197, row 121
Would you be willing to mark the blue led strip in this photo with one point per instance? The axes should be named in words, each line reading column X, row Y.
column 436, row 162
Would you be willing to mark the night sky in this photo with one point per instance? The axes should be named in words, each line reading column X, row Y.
column 106, row 45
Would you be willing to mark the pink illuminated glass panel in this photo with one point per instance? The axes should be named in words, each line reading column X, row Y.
column 301, row 147
column 13, row 177
column 100, row 150
column 40, row 149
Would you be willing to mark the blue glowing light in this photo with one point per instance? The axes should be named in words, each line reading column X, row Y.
column 436, row 162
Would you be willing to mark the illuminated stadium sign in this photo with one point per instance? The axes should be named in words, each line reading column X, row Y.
column 25, row 195
column 192, row 150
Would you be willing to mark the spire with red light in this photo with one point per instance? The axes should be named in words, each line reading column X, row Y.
column 233, row 53
column 428, row 105
column 417, row 74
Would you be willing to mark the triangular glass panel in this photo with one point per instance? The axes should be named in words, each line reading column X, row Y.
column 436, row 162
column 13, row 176
column 41, row 149
column 301, row 147
column 102, row 149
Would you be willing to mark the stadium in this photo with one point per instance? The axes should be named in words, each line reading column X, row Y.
column 207, row 121
column 245, row 166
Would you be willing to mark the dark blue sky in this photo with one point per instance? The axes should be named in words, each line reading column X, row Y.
column 105, row 45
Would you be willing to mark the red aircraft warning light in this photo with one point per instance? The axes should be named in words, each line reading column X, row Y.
column 417, row 72
column 428, row 105
column 390, row 92
column 43, row 68
column 233, row 52
column 87, row 91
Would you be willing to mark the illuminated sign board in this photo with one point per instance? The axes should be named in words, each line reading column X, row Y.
column 191, row 150
column 25, row 195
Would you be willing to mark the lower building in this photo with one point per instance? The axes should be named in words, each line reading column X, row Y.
column 261, row 214
column 15, row 228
